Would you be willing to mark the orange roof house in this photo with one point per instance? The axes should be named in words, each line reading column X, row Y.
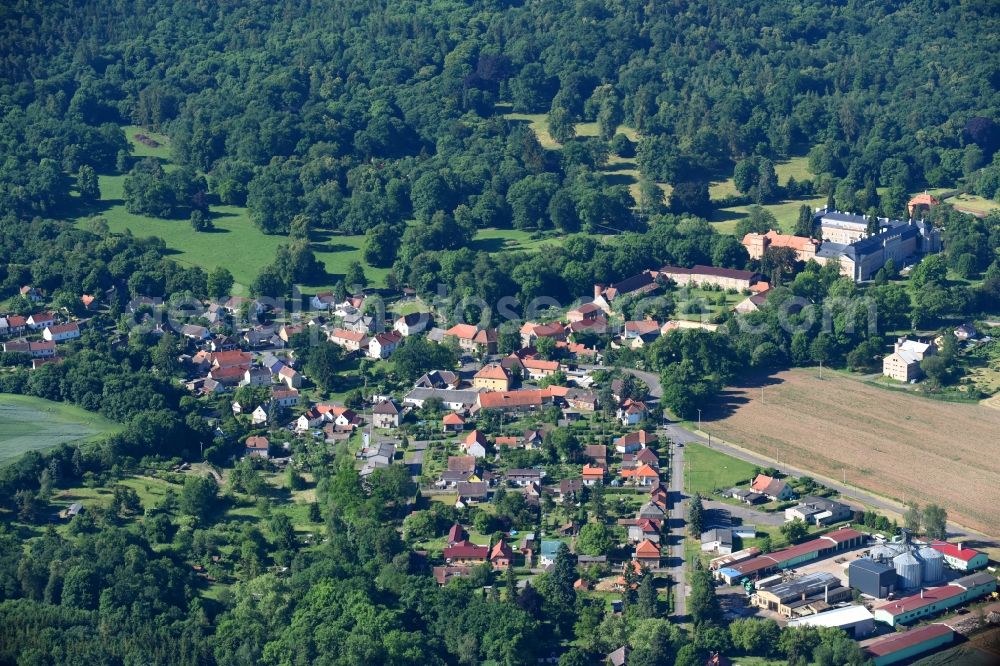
column 643, row 475
column 922, row 201
column 492, row 377
column 592, row 474
column 501, row 555
column 648, row 553
column 453, row 421
column 756, row 244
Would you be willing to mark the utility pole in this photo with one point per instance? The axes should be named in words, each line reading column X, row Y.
column 699, row 419
column 821, row 369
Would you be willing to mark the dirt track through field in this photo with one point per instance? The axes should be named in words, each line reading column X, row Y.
column 897, row 445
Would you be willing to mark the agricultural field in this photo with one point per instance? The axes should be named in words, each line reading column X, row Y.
column 34, row 424
column 890, row 442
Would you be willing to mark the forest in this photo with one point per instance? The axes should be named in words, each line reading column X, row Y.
column 395, row 120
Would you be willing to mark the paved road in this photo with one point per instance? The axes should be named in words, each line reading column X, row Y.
column 416, row 455
column 675, row 537
column 679, row 434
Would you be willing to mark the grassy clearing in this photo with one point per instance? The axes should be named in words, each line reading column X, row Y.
column 706, row 469
column 140, row 149
column 785, row 212
column 32, row 424
column 511, row 240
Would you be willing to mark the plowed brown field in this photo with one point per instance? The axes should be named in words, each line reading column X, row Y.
column 897, row 445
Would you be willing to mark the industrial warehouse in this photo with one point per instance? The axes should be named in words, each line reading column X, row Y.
column 824, row 546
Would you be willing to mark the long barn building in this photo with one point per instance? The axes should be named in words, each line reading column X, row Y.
column 818, row 548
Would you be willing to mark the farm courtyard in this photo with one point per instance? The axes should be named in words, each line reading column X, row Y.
column 901, row 446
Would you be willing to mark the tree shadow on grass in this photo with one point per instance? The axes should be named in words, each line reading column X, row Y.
column 721, row 215
column 733, row 397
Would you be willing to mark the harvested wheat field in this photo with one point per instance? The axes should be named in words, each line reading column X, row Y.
column 897, row 445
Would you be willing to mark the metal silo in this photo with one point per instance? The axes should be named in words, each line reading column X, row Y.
column 908, row 570
column 933, row 564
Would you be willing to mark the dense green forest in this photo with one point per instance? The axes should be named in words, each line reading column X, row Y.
column 389, row 119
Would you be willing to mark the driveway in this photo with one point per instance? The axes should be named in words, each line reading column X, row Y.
column 746, row 514
column 675, row 564
column 416, row 455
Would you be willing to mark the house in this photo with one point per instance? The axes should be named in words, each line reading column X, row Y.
column 501, row 555
column 359, row 323
column 592, row 475
column 819, row 511
column 549, row 551
column 647, row 553
column 438, row 379
column 382, row 345
column 569, row 488
column 386, row 414
column 934, row 600
column 61, row 332
column 756, row 244
column 257, row 445
column 903, row 364
column 259, row 415
column 965, row 332
column 632, row 412
column 411, row 324
column 619, row 657
column 517, row 401
column 634, row 441
column 13, row 325
column 523, row 477
column 34, row 349
column 290, row 377
column 462, row 464
column 539, row 369
column 644, row 475
column 718, row 540
column 508, row 441
column 532, row 439
column 257, row 337
column 288, row 331
column 702, row 276
column 453, row 422
column 585, row 312
column 456, row 534
column 349, row 340
column 471, row 492
column 40, row 320
column 642, row 283
column 256, row 377
column 644, row 529
column 223, row 343
column 774, row 489
column 653, row 510
column 32, row 294
column 376, row 457
column 450, row 399
column 598, row 453
column 324, row 300
column 492, row 377
column 530, row 331
column 473, row 338
column 961, row 557
column 474, row 444
column 645, row 330
column 195, row 332
column 284, row 397
column 466, row 552
column 752, row 303
column 230, row 359
column 444, row 574
column 339, row 416
column 581, row 399
column 234, row 304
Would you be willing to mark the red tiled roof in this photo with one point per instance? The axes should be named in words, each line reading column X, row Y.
column 590, row 471
column 463, row 331
column 492, row 371
column 501, row 399
column 507, row 441
column 842, row 535
column 539, row 364
column 474, row 437
column 466, row 550
column 461, row 464
column 453, row 418
column 645, row 471
column 709, row 270
column 344, row 334
column 501, row 550
column 63, row 328
column 231, row 358
column 647, row 549
column 915, row 601
column 637, row 437
column 952, row 550
column 897, row 642
column 257, row 443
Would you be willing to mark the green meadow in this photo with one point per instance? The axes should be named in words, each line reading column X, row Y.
column 33, row 424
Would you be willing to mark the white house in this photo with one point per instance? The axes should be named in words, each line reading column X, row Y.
column 382, row 345
column 411, row 324
column 40, row 320
column 285, row 397
column 324, row 300
column 290, row 378
column 903, row 364
column 256, row 377
column 474, row 444
column 61, row 332
column 195, row 332
column 349, row 340
column 632, row 412
column 386, row 414
column 259, row 415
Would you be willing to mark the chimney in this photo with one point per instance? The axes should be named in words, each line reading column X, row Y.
column 921, row 593
column 826, row 593
column 960, row 545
